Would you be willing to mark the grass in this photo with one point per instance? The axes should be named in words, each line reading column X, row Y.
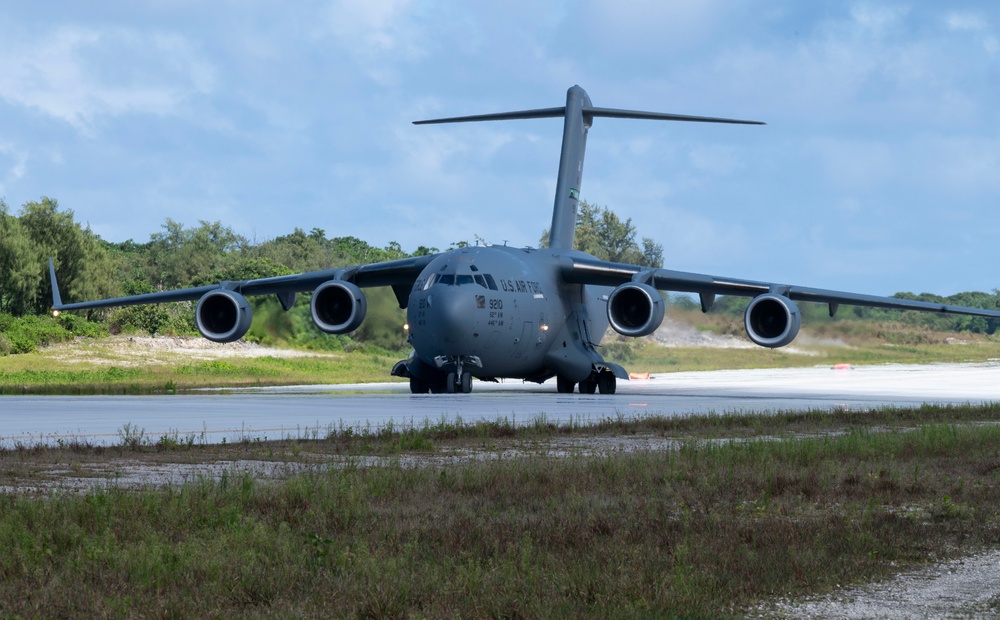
column 105, row 366
column 100, row 367
column 790, row 504
column 652, row 358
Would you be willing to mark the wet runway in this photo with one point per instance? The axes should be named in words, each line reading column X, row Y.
column 307, row 411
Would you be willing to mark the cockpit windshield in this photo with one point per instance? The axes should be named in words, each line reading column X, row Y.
column 451, row 279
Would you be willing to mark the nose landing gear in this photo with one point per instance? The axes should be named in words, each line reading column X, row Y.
column 459, row 380
column 435, row 379
column 458, row 383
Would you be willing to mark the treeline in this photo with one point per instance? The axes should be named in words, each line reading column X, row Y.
column 89, row 267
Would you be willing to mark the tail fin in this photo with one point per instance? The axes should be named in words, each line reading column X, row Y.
column 579, row 115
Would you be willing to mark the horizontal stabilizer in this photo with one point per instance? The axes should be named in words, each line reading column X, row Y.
column 587, row 111
column 501, row 116
column 661, row 116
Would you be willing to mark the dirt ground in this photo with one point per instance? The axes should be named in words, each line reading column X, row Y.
column 146, row 350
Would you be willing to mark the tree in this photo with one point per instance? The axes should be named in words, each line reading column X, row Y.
column 20, row 266
column 180, row 257
column 83, row 265
column 601, row 233
column 652, row 253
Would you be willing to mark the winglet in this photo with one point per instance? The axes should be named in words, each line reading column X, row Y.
column 56, row 299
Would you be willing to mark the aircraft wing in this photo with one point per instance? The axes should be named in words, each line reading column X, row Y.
column 593, row 271
column 399, row 274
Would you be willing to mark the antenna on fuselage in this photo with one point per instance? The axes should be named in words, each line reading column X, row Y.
column 579, row 115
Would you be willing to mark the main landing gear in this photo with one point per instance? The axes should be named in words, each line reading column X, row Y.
column 604, row 381
column 451, row 383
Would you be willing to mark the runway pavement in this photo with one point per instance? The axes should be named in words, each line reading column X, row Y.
column 306, row 411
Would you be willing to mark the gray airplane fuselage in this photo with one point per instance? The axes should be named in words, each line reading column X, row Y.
column 497, row 311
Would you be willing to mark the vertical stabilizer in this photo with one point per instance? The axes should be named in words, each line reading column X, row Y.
column 574, row 145
column 578, row 115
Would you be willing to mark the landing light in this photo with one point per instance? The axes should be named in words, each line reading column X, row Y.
column 406, row 326
column 543, row 327
column 55, row 314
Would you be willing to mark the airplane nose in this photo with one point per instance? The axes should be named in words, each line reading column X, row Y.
column 451, row 321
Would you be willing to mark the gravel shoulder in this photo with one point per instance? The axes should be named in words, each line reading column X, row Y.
column 964, row 588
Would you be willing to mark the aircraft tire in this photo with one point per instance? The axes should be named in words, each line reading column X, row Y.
column 588, row 387
column 607, row 383
column 450, row 383
column 418, row 386
column 564, row 385
column 466, row 382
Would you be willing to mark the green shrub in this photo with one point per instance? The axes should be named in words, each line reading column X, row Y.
column 25, row 334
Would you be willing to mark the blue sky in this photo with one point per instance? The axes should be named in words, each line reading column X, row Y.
column 878, row 171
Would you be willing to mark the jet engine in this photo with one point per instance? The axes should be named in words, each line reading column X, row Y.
column 338, row 307
column 772, row 320
column 635, row 309
column 223, row 315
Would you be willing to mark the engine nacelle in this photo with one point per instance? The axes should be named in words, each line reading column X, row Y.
column 338, row 307
column 772, row 320
column 635, row 309
column 223, row 316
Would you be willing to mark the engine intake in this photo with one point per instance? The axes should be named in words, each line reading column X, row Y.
column 338, row 307
column 223, row 316
column 635, row 309
column 772, row 320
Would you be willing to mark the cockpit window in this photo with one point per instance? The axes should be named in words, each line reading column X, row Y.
column 431, row 281
column 451, row 279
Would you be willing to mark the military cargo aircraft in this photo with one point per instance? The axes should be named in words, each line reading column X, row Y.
column 496, row 312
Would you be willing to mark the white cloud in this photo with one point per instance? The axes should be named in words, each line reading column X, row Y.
column 78, row 75
column 966, row 22
column 14, row 164
column 878, row 19
column 635, row 25
column 378, row 34
column 873, row 64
